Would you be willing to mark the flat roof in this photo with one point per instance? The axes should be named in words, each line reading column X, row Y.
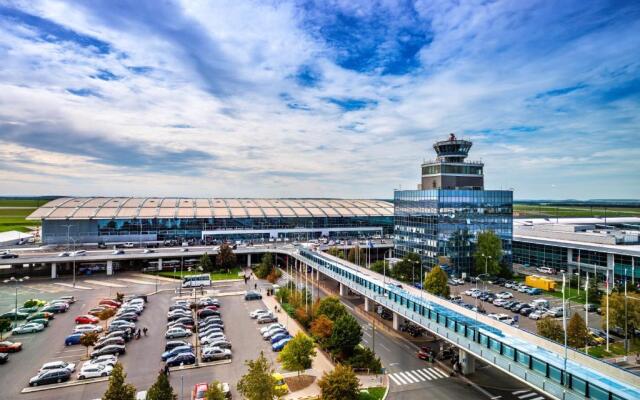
column 624, row 249
column 87, row 208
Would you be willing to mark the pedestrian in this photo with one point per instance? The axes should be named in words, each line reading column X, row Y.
column 166, row 370
column 255, row 286
column 145, row 330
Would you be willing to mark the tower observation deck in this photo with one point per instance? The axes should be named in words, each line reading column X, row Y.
column 450, row 170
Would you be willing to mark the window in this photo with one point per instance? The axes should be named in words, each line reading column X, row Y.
column 495, row 345
column 523, row 358
column 597, row 393
column 451, row 324
column 579, row 385
column 539, row 366
column 484, row 340
column 508, row 351
column 555, row 374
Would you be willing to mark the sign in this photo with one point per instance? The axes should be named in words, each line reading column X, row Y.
column 379, row 309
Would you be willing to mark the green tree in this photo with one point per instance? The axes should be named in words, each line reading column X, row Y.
column 161, row 389
column 346, row 335
column 577, row 332
column 205, row 263
column 118, row 389
column 322, row 328
column 365, row 358
column 89, row 339
column 489, row 250
column 436, row 282
column 298, row 354
column 119, row 297
column 265, row 267
column 105, row 314
column 407, row 269
column 331, row 307
column 258, row 383
column 356, row 254
column 30, row 303
column 336, row 252
column 378, row 266
column 339, row 384
column 618, row 316
column 5, row 325
column 550, row 328
column 214, row 391
column 226, row 258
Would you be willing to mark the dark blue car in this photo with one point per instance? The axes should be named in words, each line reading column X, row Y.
column 280, row 345
column 279, row 336
column 175, row 351
column 72, row 339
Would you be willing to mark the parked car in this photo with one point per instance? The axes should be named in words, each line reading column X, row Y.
column 280, row 345
column 87, row 328
column 30, row 327
column 215, row 353
column 4, row 357
column 10, row 347
column 260, row 311
column 182, row 358
column 590, row 307
column 505, row 295
column 13, row 315
column 213, row 337
column 523, row 288
column 199, row 391
column 206, row 332
column 174, row 333
column 94, row 371
column 268, row 334
column 56, row 308
column 71, row 367
column 48, row 377
column 109, row 302
column 28, row 310
column 537, row 314
column 525, row 311
column 278, row 337
column 266, row 319
column 252, row 295
column 87, row 319
column 175, row 351
column 555, row 312
column 111, row 349
column 131, row 317
column 499, row 302
column 73, row 339
column 207, row 313
column 108, row 341
column 534, row 291
column 269, row 327
column 69, row 299
column 171, row 344
column 222, row 343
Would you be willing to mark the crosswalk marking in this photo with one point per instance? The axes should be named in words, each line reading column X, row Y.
column 418, row 376
column 526, row 396
column 520, row 392
column 69, row 285
column 101, row 283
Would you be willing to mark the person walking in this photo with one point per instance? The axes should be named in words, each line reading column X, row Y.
column 144, row 330
column 166, row 370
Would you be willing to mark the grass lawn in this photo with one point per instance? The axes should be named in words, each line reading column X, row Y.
column 572, row 293
column 23, row 202
column 374, row 393
column 215, row 276
column 615, row 349
column 533, row 210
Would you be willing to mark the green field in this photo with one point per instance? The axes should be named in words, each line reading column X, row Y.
column 215, row 276
column 14, row 212
column 551, row 211
column 374, row 393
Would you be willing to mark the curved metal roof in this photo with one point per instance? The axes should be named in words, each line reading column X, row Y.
column 85, row 208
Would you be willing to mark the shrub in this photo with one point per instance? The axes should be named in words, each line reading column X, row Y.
column 364, row 358
column 30, row 303
column 303, row 316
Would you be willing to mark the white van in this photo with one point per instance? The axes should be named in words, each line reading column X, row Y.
column 539, row 303
column 545, row 270
column 129, row 245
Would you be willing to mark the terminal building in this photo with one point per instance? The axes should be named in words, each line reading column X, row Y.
column 585, row 245
column 441, row 220
column 123, row 219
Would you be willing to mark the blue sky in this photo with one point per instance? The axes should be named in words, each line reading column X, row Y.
column 331, row 99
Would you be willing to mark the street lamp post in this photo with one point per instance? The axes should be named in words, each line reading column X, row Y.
column 486, row 260
column 73, row 256
column 16, row 281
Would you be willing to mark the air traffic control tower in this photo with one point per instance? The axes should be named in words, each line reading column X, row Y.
column 450, row 170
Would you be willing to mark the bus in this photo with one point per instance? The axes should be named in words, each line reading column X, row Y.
column 196, row 281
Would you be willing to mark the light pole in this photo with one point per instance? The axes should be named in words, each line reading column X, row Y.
column 564, row 325
column 15, row 311
column 486, row 260
column 586, row 311
column 73, row 256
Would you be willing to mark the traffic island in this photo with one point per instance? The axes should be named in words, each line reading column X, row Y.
column 64, row 385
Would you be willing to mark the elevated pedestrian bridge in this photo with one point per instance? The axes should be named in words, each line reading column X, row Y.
column 532, row 359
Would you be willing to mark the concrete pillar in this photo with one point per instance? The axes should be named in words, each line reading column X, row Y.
column 397, row 321
column 248, row 260
column 110, row 267
column 160, row 264
column 467, row 362
column 54, row 271
column 343, row 290
column 610, row 264
column 368, row 304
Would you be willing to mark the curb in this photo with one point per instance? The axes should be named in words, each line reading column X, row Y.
column 386, row 392
column 201, row 365
column 159, row 291
column 64, row 385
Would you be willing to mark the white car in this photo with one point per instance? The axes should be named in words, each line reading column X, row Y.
column 79, row 253
column 212, row 338
column 64, row 254
column 499, row 302
column 505, row 295
column 256, row 313
column 505, row 318
column 94, row 371
column 536, row 314
column 269, row 327
column 148, row 251
column 523, row 288
column 469, row 292
column 58, row 365
column 29, row 327
column 107, row 359
column 175, row 333
column 82, row 328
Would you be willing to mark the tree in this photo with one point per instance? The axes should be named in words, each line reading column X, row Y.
column 365, row 358
column 489, row 250
column 336, row 252
column 550, row 328
column 30, row 303
column 118, row 389
column 258, row 383
column 577, row 332
column 5, row 325
column 265, row 267
column 161, row 389
column 346, row 335
column 119, row 297
column 205, row 263
column 214, row 391
column 407, row 269
column 298, row 354
column 89, row 339
column 322, row 328
column 618, row 316
column 331, row 307
column 378, row 267
column 339, row 384
column 436, row 282
column 105, row 314
column 226, row 259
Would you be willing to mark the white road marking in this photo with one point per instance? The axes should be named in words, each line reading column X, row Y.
column 140, row 282
column 101, row 283
column 520, row 391
column 400, row 378
column 526, row 396
column 438, row 370
column 428, row 374
column 393, row 378
column 417, row 375
column 409, row 377
column 71, row 286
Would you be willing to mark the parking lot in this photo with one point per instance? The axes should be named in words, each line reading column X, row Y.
column 142, row 360
column 522, row 321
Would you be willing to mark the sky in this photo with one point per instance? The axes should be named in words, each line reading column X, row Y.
column 316, row 99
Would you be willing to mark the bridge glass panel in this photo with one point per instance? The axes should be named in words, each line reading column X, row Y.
column 495, row 345
column 461, row 329
column 484, row 340
column 555, row 374
column 597, row 393
column 442, row 320
column 523, row 358
column 579, row 385
column 539, row 366
column 451, row 324
column 508, row 351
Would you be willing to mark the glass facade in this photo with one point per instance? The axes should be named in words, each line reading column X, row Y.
column 539, row 255
column 466, row 169
column 445, row 223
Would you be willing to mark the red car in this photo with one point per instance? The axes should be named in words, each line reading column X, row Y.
column 10, row 347
column 87, row 319
column 199, row 391
column 109, row 302
column 214, row 308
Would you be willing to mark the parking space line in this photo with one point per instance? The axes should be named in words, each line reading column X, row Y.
column 140, row 282
column 101, row 283
column 69, row 285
